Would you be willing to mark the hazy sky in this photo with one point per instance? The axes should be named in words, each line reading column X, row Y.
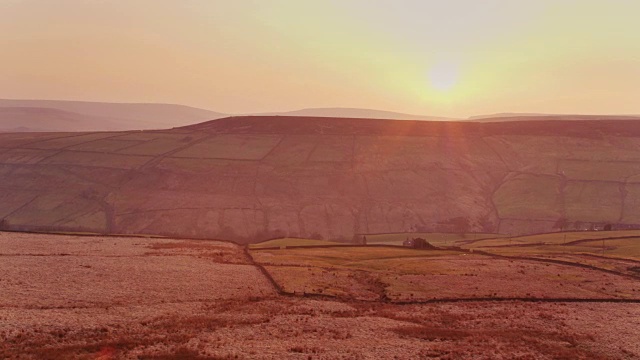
column 448, row 58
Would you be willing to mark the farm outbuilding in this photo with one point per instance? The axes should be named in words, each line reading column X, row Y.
column 417, row 243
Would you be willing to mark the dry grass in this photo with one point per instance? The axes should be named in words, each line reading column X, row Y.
column 299, row 328
column 436, row 239
column 347, row 257
column 418, row 275
column 45, row 271
column 231, row 146
column 552, row 238
column 146, row 319
column 608, row 252
column 293, row 242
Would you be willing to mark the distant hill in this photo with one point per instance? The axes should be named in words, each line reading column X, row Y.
column 32, row 119
column 57, row 115
column 63, row 116
column 541, row 117
column 356, row 113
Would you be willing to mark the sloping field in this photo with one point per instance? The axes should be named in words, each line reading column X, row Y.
column 614, row 251
column 436, row 239
column 552, row 238
column 287, row 242
column 405, row 275
column 617, row 244
column 253, row 178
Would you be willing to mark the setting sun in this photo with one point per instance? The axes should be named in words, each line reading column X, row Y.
column 444, row 76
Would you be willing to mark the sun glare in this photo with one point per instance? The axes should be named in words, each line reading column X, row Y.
column 443, row 76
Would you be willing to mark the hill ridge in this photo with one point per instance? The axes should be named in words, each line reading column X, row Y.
column 253, row 178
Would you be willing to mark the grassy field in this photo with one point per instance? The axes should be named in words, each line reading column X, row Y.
column 292, row 242
column 65, row 140
column 436, row 239
column 361, row 258
column 623, row 243
column 240, row 147
column 115, row 161
column 611, row 250
column 593, row 201
column 540, row 201
column 606, row 170
column 104, row 145
column 158, row 145
column 552, row 238
column 402, row 274
column 624, row 248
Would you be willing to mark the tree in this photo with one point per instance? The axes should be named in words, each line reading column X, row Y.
column 561, row 224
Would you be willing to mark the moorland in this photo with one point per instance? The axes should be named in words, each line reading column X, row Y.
column 107, row 297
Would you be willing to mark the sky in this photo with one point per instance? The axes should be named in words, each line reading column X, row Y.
column 453, row 58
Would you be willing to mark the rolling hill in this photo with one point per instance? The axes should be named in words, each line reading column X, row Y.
column 508, row 117
column 38, row 119
column 356, row 113
column 254, row 178
column 57, row 115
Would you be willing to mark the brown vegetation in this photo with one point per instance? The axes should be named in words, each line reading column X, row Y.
column 408, row 275
column 72, row 297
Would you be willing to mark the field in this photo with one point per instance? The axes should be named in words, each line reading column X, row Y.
column 405, row 275
column 552, row 238
column 293, row 242
column 614, row 251
column 436, row 239
column 93, row 297
column 239, row 147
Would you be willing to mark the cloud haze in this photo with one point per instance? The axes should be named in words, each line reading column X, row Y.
column 455, row 58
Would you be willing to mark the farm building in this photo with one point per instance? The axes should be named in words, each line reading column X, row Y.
column 417, row 243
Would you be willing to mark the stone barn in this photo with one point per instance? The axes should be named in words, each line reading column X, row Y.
column 417, row 243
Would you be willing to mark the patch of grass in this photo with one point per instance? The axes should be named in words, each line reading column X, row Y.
column 601, row 243
column 240, row 147
column 593, row 201
column 552, row 238
column 293, row 242
column 436, row 239
column 623, row 248
column 529, row 197
column 346, row 257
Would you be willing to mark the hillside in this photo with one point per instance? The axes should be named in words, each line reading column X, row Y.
column 253, row 178
column 37, row 119
column 356, row 113
column 510, row 117
column 57, row 115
